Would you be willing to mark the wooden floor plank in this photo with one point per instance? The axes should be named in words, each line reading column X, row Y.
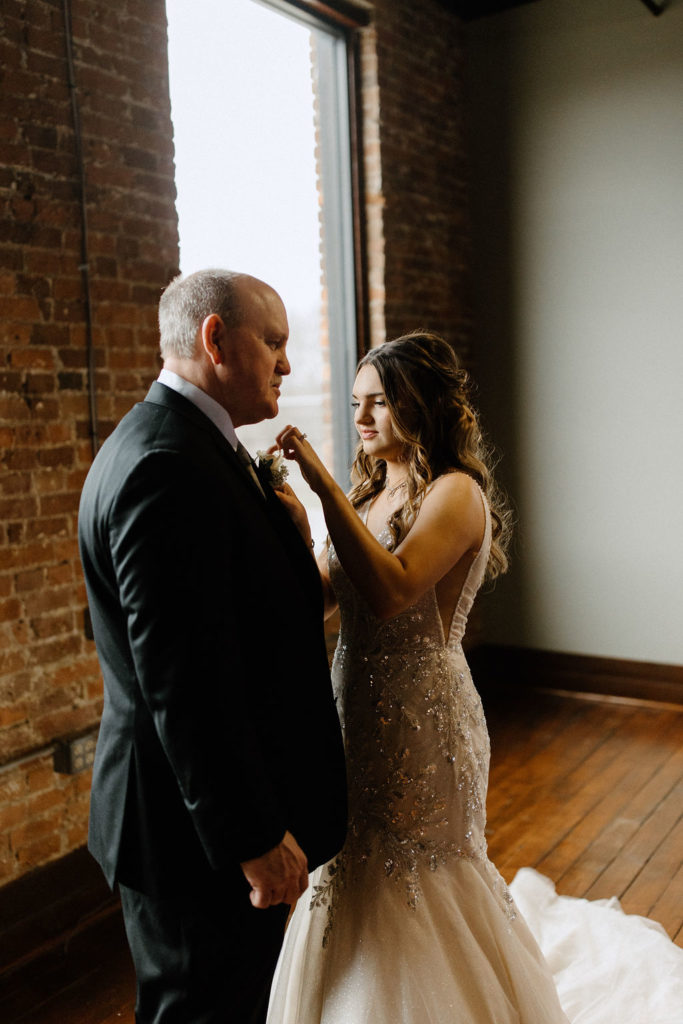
column 616, row 833
column 640, row 762
column 535, row 726
column 84, row 982
column 649, row 884
column 549, row 813
column 668, row 909
column 541, row 719
column 643, row 844
column 516, row 791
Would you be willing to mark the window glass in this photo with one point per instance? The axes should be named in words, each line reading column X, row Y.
column 260, row 114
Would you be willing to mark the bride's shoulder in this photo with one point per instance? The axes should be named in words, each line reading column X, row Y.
column 454, row 482
column 457, row 502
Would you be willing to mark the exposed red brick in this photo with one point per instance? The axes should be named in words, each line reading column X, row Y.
column 51, row 683
column 31, row 854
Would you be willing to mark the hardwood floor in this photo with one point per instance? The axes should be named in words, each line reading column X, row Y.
column 88, row 979
column 588, row 791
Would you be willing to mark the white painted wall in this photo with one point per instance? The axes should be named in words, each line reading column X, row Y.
column 577, row 147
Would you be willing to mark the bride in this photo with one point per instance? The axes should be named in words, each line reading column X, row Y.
column 411, row 923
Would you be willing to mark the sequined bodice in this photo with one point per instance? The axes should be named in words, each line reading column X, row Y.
column 415, row 733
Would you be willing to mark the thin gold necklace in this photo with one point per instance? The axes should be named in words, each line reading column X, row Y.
column 391, row 491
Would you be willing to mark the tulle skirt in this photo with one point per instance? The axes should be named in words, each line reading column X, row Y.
column 458, row 957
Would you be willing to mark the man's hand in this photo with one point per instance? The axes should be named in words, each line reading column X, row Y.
column 279, row 876
column 297, row 512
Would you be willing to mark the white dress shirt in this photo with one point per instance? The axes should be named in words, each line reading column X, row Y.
column 205, row 403
column 215, row 412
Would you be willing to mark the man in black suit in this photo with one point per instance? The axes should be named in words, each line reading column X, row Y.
column 219, row 777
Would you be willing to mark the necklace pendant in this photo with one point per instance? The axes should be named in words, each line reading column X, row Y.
column 391, row 491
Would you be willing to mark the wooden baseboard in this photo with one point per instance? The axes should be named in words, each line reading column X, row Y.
column 49, row 906
column 497, row 668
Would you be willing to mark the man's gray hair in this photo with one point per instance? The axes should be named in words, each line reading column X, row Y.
column 187, row 301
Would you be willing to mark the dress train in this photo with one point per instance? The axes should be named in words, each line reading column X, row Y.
column 609, row 967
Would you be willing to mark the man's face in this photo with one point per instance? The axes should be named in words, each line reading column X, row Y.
column 256, row 359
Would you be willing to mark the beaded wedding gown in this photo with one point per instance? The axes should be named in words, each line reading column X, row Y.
column 411, row 923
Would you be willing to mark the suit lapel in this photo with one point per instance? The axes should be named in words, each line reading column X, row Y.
column 295, row 544
column 159, row 394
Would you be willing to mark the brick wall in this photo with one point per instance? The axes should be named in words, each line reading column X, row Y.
column 416, row 239
column 413, row 80
column 49, row 680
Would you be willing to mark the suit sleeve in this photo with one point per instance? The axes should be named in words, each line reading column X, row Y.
column 173, row 552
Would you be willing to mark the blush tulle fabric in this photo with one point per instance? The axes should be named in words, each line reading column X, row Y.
column 412, row 924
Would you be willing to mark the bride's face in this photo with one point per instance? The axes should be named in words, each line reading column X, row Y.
column 372, row 417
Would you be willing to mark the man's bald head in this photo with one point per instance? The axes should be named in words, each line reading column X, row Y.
column 188, row 300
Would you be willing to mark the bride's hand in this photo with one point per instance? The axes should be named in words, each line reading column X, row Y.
column 295, row 446
column 296, row 510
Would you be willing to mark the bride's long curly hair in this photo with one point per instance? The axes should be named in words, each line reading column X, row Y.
column 428, row 396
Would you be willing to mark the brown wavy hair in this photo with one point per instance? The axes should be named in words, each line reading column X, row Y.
column 428, row 396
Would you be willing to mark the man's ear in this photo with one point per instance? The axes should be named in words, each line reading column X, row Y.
column 213, row 338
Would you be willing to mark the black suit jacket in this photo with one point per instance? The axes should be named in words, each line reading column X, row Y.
column 219, row 730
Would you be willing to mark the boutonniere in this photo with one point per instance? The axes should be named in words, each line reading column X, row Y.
column 272, row 468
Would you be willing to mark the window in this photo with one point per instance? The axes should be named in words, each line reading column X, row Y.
column 259, row 101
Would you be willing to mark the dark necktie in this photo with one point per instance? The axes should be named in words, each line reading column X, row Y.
column 248, row 463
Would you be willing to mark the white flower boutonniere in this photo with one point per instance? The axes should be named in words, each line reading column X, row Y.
column 272, row 467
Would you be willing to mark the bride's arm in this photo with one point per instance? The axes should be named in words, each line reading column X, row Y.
column 451, row 522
